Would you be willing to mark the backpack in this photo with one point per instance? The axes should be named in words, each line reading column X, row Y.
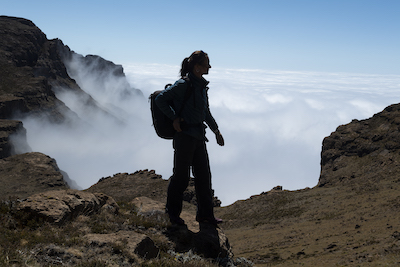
column 162, row 124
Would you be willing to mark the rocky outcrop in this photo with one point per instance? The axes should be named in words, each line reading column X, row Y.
column 98, row 72
column 367, row 150
column 26, row 174
column 96, row 213
column 202, row 239
column 209, row 242
column 135, row 243
column 59, row 206
column 190, row 195
column 125, row 186
column 32, row 68
column 12, row 138
column 28, row 66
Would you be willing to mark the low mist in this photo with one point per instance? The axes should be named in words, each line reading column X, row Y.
column 273, row 123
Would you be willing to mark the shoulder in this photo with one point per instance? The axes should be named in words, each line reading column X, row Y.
column 181, row 84
column 174, row 91
column 184, row 81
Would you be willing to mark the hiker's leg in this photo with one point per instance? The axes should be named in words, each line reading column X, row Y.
column 202, row 174
column 179, row 181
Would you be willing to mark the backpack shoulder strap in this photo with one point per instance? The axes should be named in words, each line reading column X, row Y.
column 188, row 92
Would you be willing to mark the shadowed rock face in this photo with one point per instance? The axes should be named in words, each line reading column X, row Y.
column 367, row 149
column 29, row 65
column 32, row 68
column 12, row 138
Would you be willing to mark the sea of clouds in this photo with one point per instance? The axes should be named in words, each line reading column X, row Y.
column 273, row 123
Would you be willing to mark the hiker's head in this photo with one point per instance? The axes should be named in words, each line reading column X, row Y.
column 198, row 63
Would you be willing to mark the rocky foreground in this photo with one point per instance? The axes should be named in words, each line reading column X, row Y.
column 120, row 221
column 79, row 228
column 351, row 218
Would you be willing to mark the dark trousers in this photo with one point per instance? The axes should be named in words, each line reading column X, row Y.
column 190, row 151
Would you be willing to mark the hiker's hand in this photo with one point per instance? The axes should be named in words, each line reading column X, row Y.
column 220, row 138
column 177, row 124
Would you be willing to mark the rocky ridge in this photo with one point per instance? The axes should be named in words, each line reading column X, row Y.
column 142, row 183
column 362, row 151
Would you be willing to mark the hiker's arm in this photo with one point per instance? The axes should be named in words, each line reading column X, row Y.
column 218, row 135
column 220, row 138
column 211, row 121
column 214, row 127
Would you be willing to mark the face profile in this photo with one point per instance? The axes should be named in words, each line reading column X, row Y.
column 203, row 67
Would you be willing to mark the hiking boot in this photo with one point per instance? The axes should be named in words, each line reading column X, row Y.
column 176, row 220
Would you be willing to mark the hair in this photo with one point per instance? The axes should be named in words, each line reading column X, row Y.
column 197, row 57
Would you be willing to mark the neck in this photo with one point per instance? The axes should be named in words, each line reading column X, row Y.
column 198, row 75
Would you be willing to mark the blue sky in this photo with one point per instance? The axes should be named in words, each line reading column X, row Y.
column 359, row 36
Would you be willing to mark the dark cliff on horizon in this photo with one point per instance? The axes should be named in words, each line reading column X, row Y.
column 350, row 218
column 33, row 70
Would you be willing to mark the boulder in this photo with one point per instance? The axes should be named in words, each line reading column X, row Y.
column 126, row 187
column 203, row 239
column 30, row 173
column 58, row 206
column 132, row 243
column 209, row 241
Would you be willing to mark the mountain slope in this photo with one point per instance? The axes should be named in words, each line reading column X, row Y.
column 350, row 219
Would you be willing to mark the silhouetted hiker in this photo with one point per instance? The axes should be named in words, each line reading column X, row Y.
column 189, row 141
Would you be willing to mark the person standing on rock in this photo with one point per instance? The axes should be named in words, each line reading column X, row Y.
column 189, row 141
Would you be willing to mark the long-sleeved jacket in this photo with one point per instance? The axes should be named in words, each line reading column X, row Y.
column 196, row 110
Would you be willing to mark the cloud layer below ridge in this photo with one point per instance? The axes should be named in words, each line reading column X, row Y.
column 273, row 123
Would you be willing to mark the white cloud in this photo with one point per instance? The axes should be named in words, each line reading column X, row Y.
column 365, row 107
column 277, row 99
column 273, row 123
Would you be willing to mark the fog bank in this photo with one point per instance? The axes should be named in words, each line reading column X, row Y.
column 273, row 123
